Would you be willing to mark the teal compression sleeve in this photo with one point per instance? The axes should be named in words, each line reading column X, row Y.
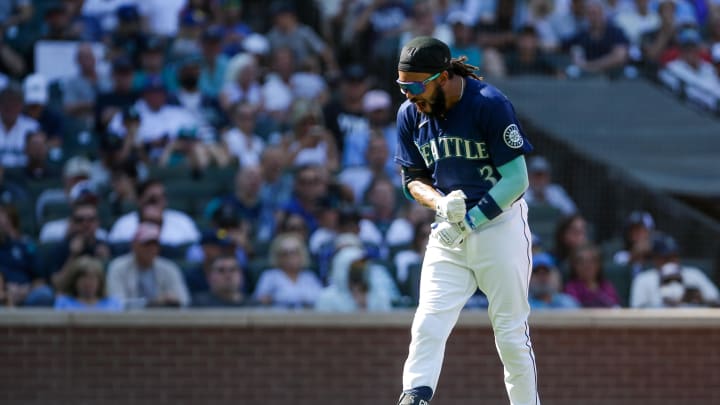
column 512, row 184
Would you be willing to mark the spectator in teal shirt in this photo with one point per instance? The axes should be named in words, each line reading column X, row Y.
column 464, row 38
column 214, row 64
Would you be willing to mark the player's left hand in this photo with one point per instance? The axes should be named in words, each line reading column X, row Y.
column 450, row 234
column 451, row 206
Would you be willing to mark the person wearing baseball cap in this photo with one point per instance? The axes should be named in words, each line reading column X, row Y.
column 546, row 284
column 36, row 96
column 142, row 274
column 664, row 284
column 462, row 153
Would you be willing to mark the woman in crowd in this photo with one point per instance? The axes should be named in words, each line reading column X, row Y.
column 84, row 288
column 288, row 284
column 571, row 233
column 586, row 282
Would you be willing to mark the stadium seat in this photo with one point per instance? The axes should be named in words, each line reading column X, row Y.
column 254, row 269
column 43, row 252
column 169, row 173
column 543, row 219
column 54, row 210
column 621, row 278
column 174, row 253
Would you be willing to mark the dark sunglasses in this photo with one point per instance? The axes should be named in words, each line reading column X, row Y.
column 226, row 269
column 288, row 252
column 80, row 218
column 415, row 88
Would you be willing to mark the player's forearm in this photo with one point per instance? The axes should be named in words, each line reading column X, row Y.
column 501, row 196
column 512, row 184
column 423, row 192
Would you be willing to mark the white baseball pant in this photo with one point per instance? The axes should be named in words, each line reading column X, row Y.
column 497, row 259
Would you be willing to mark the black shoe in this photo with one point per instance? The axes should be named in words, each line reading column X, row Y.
column 408, row 398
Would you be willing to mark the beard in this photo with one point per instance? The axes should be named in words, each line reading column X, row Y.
column 437, row 104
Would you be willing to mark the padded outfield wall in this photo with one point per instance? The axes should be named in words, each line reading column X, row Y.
column 238, row 357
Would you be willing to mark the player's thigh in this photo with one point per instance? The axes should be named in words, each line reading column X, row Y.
column 502, row 258
column 446, row 283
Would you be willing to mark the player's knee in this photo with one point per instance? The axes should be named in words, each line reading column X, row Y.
column 512, row 337
column 431, row 327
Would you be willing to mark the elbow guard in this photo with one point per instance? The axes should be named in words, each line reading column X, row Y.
column 408, row 175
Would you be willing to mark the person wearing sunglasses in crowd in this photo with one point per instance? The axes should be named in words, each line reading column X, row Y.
column 461, row 149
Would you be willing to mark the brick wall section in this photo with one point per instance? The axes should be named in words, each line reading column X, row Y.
column 345, row 364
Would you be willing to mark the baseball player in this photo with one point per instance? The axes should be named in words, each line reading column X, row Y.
column 461, row 150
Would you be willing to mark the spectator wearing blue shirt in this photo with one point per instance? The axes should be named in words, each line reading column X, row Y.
column 84, row 288
column 310, row 185
column 545, row 285
column 600, row 47
column 246, row 200
column 214, row 243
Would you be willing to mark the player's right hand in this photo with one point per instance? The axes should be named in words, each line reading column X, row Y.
column 452, row 206
column 450, row 235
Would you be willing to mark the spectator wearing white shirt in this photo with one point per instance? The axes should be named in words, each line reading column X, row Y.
column 241, row 82
column 177, row 227
column 697, row 75
column 566, row 22
column 241, row 140
column 309, row 142
column 543, row 191
column 278, row 81
column 160, row 122
column 289, row 284
column 354, row 284
column 670, row 283
column 637, row 20
column 617, row 7
column 163, row 16
column 411, row 256
column 14, row 127
column 82, row 193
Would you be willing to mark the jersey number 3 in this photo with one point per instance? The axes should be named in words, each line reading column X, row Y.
column 486, row 172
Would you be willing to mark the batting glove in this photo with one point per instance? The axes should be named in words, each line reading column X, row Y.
column 450, row 234
column 452, row 206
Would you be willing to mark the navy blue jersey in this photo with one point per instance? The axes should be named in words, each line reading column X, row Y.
column 463, row 150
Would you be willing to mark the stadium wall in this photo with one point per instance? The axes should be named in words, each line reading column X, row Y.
column 246, row 357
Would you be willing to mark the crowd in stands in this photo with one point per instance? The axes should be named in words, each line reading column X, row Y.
column 226, row 153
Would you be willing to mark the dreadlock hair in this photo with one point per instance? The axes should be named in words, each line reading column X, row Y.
column 462, row 69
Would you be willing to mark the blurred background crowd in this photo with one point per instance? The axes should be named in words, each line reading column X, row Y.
column 175, row 153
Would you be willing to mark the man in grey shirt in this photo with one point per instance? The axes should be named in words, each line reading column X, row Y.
column 142, row 276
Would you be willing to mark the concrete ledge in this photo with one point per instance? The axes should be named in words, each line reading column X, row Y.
column 623, row 318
